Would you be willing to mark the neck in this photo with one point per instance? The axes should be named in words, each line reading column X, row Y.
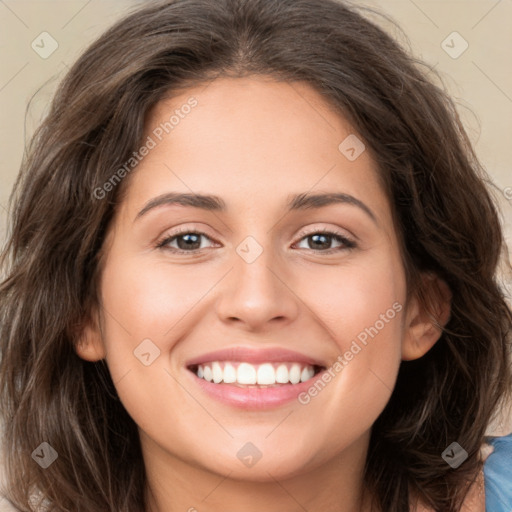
column 336, row 485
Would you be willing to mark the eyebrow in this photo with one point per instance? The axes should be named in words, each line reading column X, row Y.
column 214, row 203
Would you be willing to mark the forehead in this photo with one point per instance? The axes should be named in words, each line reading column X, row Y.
column 252, row 141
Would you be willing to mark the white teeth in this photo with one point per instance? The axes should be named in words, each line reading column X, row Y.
column 217, row 372
column 266, row 374
column 229, row 373
column 208, row 374
column 246, row 374
column 295, row 374
column 306, row 374
column 282, row 374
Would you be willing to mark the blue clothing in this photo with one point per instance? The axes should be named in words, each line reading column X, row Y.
column 498, row 475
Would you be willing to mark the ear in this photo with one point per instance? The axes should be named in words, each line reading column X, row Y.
column 89, row 343
column 425, row 319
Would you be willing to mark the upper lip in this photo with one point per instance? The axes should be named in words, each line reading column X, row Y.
column 253, row 355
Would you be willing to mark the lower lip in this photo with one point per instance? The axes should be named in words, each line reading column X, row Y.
column 254, row 398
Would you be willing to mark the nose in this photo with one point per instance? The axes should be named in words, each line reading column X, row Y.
column 258, row 293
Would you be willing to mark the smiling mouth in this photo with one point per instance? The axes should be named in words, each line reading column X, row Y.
column 247, row 375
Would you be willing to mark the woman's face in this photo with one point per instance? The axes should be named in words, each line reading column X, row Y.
column 248, row 273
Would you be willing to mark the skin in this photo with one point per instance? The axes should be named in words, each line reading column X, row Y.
column 254, row 141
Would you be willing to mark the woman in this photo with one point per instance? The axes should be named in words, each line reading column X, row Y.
column 252, row 255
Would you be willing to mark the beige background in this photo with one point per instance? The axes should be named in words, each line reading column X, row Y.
column 480, row 78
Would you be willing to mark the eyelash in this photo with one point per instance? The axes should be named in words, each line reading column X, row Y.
column 348, row 243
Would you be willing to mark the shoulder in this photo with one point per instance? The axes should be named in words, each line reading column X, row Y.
column 498, row 474
column 492, row 489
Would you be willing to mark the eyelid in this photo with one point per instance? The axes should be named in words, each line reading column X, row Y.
column 329, row 230
column 348, row 240
column 166, row 237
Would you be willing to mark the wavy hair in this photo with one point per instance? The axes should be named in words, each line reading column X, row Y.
column 444, row 213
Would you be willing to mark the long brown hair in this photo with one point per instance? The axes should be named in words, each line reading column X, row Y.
column 444, row 213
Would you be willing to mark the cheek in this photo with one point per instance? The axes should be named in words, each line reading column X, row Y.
column 354, row 297
column 155, row 302
column 361, row 308
column 149, row 299
column 147, row 310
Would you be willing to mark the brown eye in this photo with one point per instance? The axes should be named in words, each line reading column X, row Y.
column 186, row 241
column 322, row 241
